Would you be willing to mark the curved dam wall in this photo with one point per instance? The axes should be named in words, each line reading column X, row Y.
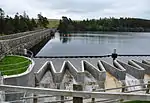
column 16, row 43
column 24, row 79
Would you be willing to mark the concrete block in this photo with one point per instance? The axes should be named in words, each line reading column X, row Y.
column 134, row 71
column 143, row 65
column 98, row 74
column 116, row 72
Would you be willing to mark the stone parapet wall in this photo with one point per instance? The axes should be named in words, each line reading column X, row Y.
column 18, row 44
column 11, row 36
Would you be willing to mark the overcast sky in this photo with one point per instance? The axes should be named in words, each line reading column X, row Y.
column 79, row 9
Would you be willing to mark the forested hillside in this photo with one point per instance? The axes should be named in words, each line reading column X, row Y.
column 20, row 23
column 105, row 24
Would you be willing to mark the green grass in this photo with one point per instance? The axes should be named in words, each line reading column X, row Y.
column 53, row 23
column 2, row 34
column 11, row 65
column 137, row 102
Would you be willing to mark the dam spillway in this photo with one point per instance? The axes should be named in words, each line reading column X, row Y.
column 102, row 73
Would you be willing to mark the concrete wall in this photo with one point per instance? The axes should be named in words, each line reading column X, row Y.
column 144, row 66
column 116, row 72
column 39, row 75
column 17, row 45
column 98, row 74
column 132, row 63
column 135, row 72
column 146, row 62
column 60, row 75
column 57, row 76
column 79, row 76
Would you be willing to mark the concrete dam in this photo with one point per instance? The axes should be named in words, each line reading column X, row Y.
column 93, row 73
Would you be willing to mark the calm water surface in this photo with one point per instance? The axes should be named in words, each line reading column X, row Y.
column 84, row 44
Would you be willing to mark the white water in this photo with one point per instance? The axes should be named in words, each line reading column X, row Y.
column 90, row 83
column 130, row 80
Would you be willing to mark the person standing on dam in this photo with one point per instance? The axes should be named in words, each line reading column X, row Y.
column 114, row 55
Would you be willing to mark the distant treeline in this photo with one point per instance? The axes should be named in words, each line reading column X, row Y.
column 20, row 23
column 105, row 24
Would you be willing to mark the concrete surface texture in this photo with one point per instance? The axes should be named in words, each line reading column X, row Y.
column 135, row 72
column 102, row 72
column 95, row 73
column 98, row 74
column 119, row 73
column 93, row 69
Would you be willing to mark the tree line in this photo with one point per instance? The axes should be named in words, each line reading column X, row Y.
column 105, row 24
column 20, row 23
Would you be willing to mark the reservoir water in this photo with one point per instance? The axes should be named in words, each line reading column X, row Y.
column 95, row 44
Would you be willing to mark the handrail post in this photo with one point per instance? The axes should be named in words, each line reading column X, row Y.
column 77, row 87
column 123, row 89
column 148, row 88
column 93, row 99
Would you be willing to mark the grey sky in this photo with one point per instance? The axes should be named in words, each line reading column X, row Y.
column 79, row 9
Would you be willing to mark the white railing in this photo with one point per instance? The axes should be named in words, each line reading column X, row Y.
column 56, row 92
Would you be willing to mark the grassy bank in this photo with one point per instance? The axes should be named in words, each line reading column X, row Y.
column 2, row 34
column 11, row 65
column 53, row 23
column 138, row 102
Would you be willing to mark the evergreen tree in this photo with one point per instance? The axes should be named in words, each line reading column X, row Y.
column 104, row 24
column 9, row 27
column 20, row 23
column 33, row 22
column 42, row 21
column 16, row 23
column 2, row 21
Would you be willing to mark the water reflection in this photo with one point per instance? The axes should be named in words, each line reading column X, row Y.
column 64, row 38
column 76, row 44
column 93, row 38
